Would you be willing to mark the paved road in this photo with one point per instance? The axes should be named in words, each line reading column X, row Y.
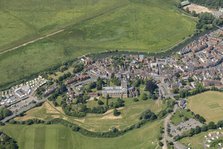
column 166, row 122
column 24, row 109
column 178, row 145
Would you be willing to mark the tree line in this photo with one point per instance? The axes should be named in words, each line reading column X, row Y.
column 209, row 3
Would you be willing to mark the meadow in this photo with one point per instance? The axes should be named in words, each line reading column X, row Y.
column 208, row 104
column 58, row 136
column 97, row 122
column 90, row 26
column 24, row 20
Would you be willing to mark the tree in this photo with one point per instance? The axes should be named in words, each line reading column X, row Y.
column 148, row 115
column 209, row 3
column 99, row 84
column 135, row 99
column 107, row 98
column 100, row 102
column 144, row 96
column 78, row 67
column 4, row 112
column 151, row 86
column 6, row 142
column 116, row 112
column 137, row 83
column 119, row 103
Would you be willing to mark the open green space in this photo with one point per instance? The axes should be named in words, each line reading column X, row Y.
column 58, row 136
column 197, row 141
column 208, row 104
column 181, row 116
column 98, row 25
column 25, row 19
column 98, row 122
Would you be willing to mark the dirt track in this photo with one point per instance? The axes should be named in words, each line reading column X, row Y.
column 32, row 41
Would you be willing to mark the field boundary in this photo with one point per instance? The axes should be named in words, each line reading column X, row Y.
column 112, row 133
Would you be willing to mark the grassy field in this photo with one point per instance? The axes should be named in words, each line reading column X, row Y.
column 180, row 116
column 97, row 122
column 98, row 25
column 26, row 19
column 58, row 136
column 208, row 104
column 196, row 142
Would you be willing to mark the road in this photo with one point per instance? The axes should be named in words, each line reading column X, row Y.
column 23, row 109
column 166, row 137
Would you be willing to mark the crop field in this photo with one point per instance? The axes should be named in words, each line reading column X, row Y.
column 208, row 104
column 97, row 122
column 90, row 26
column 58, row 136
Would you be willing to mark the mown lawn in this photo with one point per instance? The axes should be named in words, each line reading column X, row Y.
column 208, row 104
column 58, row 136
column 148, row 26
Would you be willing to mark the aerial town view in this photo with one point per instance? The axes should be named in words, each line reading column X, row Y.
column 99, row 74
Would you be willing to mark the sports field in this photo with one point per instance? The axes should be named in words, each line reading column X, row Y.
column 98, row 122
column 208, row 104
column 58, row 137
column 93, row 26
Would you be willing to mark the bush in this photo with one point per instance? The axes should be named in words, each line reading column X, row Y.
column 148, row 115
column 116, row 112
column 100, row 102
column 144, row 96
column 135, row 99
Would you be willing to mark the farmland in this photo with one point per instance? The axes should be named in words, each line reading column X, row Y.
column 58, row 136
column 89, row 26
column 208, row 104
column 97, row 122
column 26, row 19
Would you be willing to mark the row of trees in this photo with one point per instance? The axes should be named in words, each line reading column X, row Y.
column 6, row 142
column 80, row 109
column 197, row 130
column 113, row 132
column 209, row 3
column 4, row 112
column 198, row 89
column 207, row 21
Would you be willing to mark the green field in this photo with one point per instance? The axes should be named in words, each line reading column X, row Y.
column 208, row 104
column 58, row 136
column 98, row 122
column 196, row 142
column 92, row 26
column 27, row 19
column 181, row 116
